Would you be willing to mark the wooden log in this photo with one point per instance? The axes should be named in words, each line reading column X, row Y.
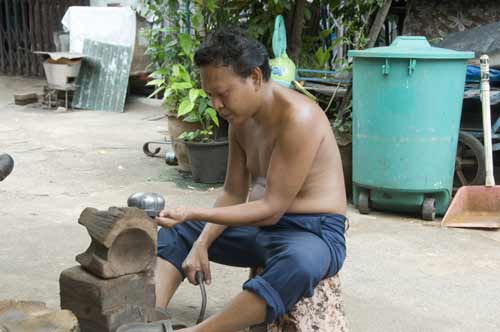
column 123, row 241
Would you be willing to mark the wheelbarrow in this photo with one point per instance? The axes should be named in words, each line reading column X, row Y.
column 478, row 206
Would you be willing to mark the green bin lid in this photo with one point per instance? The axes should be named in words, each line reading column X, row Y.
column 414, row 47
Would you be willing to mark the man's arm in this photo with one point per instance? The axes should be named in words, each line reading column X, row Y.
column 235, row 192
column 291, row 161
column 235, row 189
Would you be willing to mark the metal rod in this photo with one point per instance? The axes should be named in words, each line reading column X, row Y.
column 485, row 100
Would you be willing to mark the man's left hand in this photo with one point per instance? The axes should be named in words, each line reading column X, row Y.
column 170, row 217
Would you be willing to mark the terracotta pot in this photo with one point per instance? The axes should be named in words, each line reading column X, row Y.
column 175, row 128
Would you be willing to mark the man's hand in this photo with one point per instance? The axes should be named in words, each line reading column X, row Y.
column 197, row 260
column 168, row 218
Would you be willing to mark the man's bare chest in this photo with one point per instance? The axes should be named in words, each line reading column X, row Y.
column 258, row 148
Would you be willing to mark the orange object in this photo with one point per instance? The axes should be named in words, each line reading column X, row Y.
column 478, row 206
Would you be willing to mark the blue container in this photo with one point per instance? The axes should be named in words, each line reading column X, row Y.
column 407, row 102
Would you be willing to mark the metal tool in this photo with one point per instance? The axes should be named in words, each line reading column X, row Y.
column 152, row 203
column 6, row 165
column 478, row 206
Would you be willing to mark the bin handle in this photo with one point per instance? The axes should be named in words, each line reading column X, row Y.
column 386, row 67
column 411, row 66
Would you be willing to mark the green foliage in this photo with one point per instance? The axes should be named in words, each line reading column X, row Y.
column 173, row 39
column 179, row 27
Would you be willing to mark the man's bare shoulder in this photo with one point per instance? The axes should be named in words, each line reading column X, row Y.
column 302, row 112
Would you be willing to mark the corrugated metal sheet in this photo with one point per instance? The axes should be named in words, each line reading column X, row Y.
column 103, row 80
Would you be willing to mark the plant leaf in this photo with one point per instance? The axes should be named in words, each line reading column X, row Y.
column 156, row 82
column 185, row 107
column 156, row 91
column 186, row 43
column 213, row 115
column 182, row 85
column 193, row 95
column 183, row 74
column 191, row 118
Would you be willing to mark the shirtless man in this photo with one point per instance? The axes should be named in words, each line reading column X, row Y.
column 291, row 223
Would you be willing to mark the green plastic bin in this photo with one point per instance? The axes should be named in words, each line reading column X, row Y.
column 407, row 102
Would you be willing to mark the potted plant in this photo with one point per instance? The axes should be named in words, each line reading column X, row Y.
column 176, row 96
column 174, row 78
column 208, row 154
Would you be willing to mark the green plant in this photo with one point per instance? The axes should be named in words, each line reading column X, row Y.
column 173, row 44
column 198, row 109
column 176, row 77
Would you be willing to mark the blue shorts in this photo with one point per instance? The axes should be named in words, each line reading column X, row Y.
column 296, row 253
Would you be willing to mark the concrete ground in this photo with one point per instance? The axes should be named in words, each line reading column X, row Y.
column 401, row 274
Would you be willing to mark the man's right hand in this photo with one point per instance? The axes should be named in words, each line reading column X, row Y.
column 197, row 260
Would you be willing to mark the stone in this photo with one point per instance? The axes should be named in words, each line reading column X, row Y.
column 30, row 316
column 25, row 98
column 123, row 242
column 105, row 304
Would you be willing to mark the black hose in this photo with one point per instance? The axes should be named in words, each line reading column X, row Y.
column 200, row 279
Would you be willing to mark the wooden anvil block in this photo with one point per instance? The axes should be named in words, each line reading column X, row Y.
column 123, row 242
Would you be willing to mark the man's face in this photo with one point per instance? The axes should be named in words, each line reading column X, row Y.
column 233, row 97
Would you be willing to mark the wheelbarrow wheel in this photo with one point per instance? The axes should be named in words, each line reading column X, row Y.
column 469, row 162
column 429, row 209
column 364, row 202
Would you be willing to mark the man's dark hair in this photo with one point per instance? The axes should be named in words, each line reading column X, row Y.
column 233, row 48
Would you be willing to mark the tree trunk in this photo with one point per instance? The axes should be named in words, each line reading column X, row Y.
column 378, row 23
column 297, row 27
